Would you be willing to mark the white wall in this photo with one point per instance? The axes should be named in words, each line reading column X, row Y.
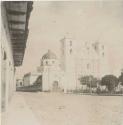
column 33, row 78
column 7, row 65
column 26, row 80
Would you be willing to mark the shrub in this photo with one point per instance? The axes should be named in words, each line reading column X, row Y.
column 110, row 81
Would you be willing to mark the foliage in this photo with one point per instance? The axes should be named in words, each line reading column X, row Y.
column 89, row 80
column 121, row 78
column 110, row 81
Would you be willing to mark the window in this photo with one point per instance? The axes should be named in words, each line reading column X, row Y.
column 70, row 51
column 4, row 56
column 46, row 62
column 103, row 54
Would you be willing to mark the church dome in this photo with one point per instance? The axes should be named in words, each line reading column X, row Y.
column 49, row 55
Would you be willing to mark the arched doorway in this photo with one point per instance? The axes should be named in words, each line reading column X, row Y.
column 55, row 86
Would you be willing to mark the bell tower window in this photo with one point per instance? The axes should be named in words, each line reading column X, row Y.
column 70, row 51
column 46, row 62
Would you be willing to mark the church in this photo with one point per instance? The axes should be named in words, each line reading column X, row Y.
column 59, row 74
column 62, row 74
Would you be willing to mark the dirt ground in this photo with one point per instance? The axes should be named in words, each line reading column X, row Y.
column 70, row 109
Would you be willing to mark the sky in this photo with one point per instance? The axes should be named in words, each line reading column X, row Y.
column 92, row 21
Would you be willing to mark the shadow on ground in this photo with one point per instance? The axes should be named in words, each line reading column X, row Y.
column 32, row 88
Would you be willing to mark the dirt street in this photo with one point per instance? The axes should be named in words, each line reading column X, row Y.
column 70, row 109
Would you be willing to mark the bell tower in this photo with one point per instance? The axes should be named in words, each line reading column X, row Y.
column 68, row 62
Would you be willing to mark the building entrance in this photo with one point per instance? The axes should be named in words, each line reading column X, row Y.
column 55, row 86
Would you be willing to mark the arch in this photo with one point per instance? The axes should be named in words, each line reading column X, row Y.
column 55, row 86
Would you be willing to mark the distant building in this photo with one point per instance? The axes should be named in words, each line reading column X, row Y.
column 19, row 82
column 51, row 73
column 30, row 78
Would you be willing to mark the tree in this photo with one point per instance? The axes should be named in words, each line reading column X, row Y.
column 89, row 80
column 121, row 78
column 110, row 81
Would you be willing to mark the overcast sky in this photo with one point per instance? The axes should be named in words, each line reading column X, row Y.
column 83, row 21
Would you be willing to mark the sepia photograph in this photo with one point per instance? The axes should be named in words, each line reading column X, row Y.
column 61, row 62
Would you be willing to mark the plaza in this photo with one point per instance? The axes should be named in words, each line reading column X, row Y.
column 66, row 109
